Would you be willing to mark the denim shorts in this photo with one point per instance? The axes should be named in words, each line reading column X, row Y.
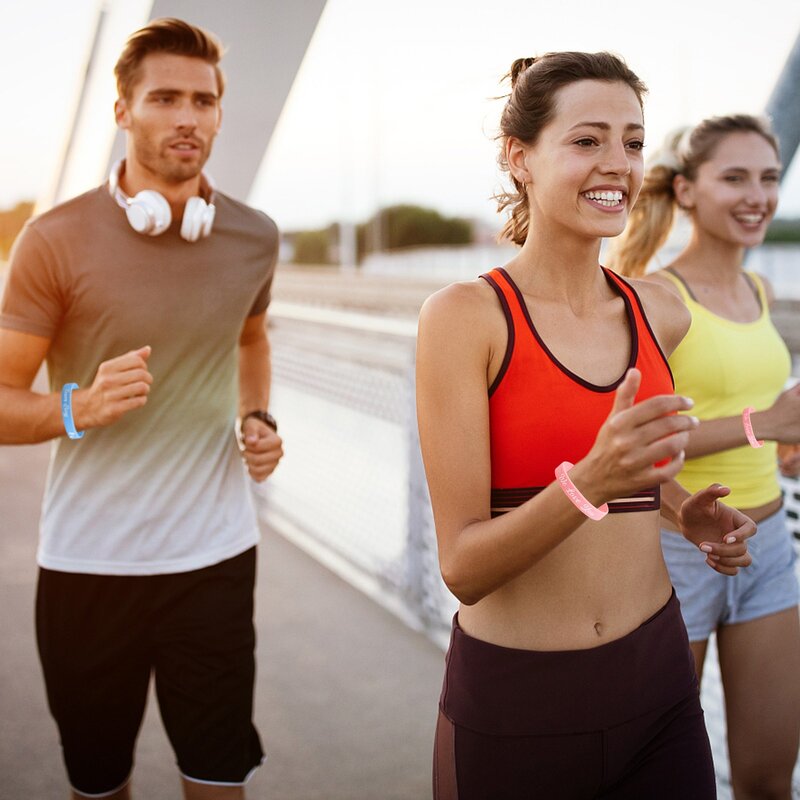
column 709, row 599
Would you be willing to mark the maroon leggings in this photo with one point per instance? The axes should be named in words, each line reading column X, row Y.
column 621, row 721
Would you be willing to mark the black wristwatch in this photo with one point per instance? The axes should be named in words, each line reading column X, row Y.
column 264, row 416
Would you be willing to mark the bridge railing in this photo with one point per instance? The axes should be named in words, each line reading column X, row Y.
column 351, row 488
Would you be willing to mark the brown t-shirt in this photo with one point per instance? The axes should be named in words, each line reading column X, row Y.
column 163, row 489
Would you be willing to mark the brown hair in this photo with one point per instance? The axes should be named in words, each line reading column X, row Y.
column 683, row 153
column 166, row 35
column 531, row 106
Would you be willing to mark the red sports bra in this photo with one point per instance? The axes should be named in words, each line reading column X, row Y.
column 541, row 413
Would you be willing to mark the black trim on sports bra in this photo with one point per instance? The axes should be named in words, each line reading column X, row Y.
column 647, row 323
column 511, row 334
column 504, row 500
column 632, row 328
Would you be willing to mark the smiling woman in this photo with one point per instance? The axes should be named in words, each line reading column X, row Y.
column 568, row 646
column 724, row 175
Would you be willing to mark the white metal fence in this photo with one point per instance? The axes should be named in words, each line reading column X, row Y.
column 351, row 488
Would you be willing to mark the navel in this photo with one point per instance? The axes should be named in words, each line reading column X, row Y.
column 598, row 629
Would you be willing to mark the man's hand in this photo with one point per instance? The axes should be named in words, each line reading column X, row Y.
column 262, row 448
column 720, row 531
column 120, row 385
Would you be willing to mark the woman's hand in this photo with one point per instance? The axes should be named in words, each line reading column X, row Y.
column 639, row 445
column 720, row 531
column 781, row 422
column 789, row 459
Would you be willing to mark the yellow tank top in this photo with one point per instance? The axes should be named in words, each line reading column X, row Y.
column 725, row 366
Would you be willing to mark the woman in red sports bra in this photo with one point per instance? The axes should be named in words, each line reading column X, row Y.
column 550, row 438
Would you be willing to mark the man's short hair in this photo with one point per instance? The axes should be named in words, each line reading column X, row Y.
column 166, row 35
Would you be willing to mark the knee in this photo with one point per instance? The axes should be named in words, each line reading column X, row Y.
column 759, row 783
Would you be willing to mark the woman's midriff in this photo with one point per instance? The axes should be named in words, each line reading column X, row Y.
column 599, row 584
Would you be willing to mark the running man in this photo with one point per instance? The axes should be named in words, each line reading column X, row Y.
column 150, row 293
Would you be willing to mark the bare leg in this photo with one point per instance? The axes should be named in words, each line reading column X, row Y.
column 699, row 653
column 205, row 791
column 760, row 665
column 123, row 794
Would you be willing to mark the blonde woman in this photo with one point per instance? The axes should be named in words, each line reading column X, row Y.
column 724, row 174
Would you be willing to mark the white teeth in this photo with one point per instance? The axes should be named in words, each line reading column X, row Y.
column 607, row 198
column 750, row 219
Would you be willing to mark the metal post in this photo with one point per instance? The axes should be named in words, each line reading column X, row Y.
column 783, row 106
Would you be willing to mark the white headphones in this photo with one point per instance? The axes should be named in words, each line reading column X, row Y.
column 149, row 212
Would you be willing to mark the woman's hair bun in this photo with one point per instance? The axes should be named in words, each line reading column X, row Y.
column 518, row 67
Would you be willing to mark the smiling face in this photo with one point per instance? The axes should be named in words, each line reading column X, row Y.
column 172, row 116
column 735, row 192
column 585, row 170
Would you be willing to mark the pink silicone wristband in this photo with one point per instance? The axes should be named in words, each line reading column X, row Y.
column 575, row 497
column 748, row 428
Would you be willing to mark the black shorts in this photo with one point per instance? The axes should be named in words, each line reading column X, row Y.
column 619, row 721
column 101, row 636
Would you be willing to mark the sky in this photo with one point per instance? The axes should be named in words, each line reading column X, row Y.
column 394, row 100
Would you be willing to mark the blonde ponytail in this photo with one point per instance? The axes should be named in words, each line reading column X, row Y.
column 683, row 152
column 649, row 223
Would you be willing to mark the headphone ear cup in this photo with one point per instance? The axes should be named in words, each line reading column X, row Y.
column 149, row 213
column 208, row 219
column 198, row 217
column 192, row 219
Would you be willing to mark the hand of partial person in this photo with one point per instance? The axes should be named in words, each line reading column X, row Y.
column 783, row 417
column 720, row 531
column 121, row 384
column 262, row 448
column 789, row 460
column 639, row 445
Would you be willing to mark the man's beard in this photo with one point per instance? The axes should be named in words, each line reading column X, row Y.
column 156, row 159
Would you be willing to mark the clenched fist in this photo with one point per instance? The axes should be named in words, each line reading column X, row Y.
column 121, row 385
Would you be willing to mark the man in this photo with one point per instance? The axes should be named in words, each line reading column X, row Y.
column 147, row 549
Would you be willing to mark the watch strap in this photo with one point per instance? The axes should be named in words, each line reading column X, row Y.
column 264, row 416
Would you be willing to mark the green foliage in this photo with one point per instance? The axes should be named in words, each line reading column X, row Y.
column 11, row 222
column 411, row 226
column 783, row 230
column 390, row 229
column 312, row 247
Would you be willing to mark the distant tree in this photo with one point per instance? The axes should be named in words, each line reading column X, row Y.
column 313, row 247
column 11, row 222
column 783, row 230
column 411, row 226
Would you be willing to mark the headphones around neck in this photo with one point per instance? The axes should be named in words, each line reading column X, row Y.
column 149, row 212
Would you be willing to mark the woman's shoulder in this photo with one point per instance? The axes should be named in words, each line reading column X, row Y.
column 769, row 291
column 459, row 303
column 665, row 310
column 664, row 278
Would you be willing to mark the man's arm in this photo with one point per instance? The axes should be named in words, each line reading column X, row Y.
column 121, row 385
column 262, row 445
column 26, row 417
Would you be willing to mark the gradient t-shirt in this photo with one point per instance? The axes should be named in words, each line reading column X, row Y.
column 163, row 489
